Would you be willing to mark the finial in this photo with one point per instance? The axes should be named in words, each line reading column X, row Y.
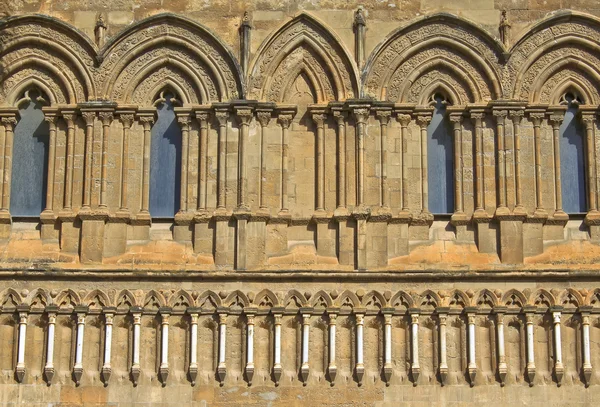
column 100, row 30
column 359, row 16
column 504, row 29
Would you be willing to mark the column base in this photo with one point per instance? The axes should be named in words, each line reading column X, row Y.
column 472, row 375
column 193, row 373
column 221, row 373
column 135, row 375
column 559, row 371
column 415, row 371
column 49, row 374
column 249, row 373
column 387, row 373
column 304, row 374
column 277, row 374
column 587, row 374
column 443, row 375
column 332, row 373
column 360, row 373
column 530, row 372
column 106, row 373
column 20, row 373
column 163, row 374
column 77, row 373
column 502, row 370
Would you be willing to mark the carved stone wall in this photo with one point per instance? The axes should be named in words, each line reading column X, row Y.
column 304, row 265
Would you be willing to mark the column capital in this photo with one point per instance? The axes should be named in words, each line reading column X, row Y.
column 126, row 119
column 477, row 115
column 222, row 115
column 243, row 114
column 87, row 115
column 361, row 114
column 423, row 120
column 202, row 116
column 456, row 117
column 404, row 119
column 106, row 118
column 516, row 115
column 9, row 122
column 319, row 117
column 264, row 117
column 537, row 117
column 556, row 118
column 184, row 120
column 383, row 115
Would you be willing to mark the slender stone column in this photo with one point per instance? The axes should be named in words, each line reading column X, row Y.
column 250, row 348
column 70, row 118
column 319, row 119
column 360, row 362
column 52, row 119
column 502, row 366
column 479, row 176
column 517, row 116
column 361, row 116
column 106, row 368
column 284, row 121
column 340, row 118
column 106, row 118
column 559, row 369
column 147, row 123
column 387, row 356
column 184, row 122
column 244, row 116
column 556, row 120
column 530, row 368
column 78, row 367
column 163, row 371
column 589, row 121
column 222, row 117
column 263, row 117
column 202, row 160
column 404, row 120
column 193, row 368
column 20, row 371
column 472, row 362
column 332, row 367
column 49, row 368
column 304, row 369
column 222, row 366
column 500, row 116
column 443, row 318
column 360, row 27
column 127, row 121
column 587, row 360
column 537, row 118
column 89, row 118
column 245, row 31
column 423, row 122
column 277, row 369
column 9, row 127
column 456, row 119
column 384, row 119
column 415, row 368
column 135, row 365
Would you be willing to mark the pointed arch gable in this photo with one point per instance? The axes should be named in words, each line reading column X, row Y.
column 441, row 48
column 563, row 46
column 55, row 54
column 303, row 44
column 192, row 54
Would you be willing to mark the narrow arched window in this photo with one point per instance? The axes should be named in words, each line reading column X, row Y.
column 165, row 159
column 572, row 158
column 440, row 160
column 30, row 157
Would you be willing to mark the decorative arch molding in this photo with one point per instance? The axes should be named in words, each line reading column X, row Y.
column 565, row 45
column 303, row 45
column 54, row 54
column 168, row 47
column 441, row 48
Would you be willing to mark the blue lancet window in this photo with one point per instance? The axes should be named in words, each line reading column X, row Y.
column 440, row 160
column 572, row 160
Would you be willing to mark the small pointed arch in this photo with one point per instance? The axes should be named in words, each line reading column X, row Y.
column 169, row 48
column 373, row 300
column 541, row 298
column 97, row 299
column 46, row 50
column 10, row 299
column 294, row 299
column 402, row 301
column 347, row 300
column 68, row 299
column 514, row 298
column 570, row 298
column 38, row 299
column 237, row 300
column 321, row 300
column 593, row 298
column 181, row 300
column 486, row 299
column 266, row 299
column 437, row 50
column 303, row 45
column 429, row 300
column 154, row 300
column 125, row 300
column 458, row 299
column 209, row 300
column 563, row 47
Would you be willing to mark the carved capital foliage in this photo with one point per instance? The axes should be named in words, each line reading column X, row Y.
column 146, row 120
column 106, row 118
column 500, row 116
column 383, row 116
column 126, row 119
column 477, row 116
column 69, row 118
column 89, row 118
column 516, row 116
column 361, row 115
column 9, row 122
column 184, row 121
column 537, row 118
column 456, row 118
column 285, row 120
column 203, row 118
column 244, row 116
column 263, row 117
column 222, row 116
column 556, row 119
column 319, row 119
column 423, row 121
column 404, row 119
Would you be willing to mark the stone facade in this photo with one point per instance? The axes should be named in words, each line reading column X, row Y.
column 304, row 265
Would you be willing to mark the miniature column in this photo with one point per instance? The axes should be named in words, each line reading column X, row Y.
column 360, row 362
column 456, row 120
column 516, row 117
column 500, row 116
column 361, row 116
column 319, row 119
column 558, row 365
column 202, row 154
column 304, row 370
column 415, row 368
column 530, row 369
column 502, row 366
column 587, row 364
column 78, row 367
column 250, row 348
column 384, row 119
column 147, row 123
column 472, row 362
column 222, row 366
column 423, row 122
column 184, row 122
column 52, row 119
column 244, row 116
column 556, row 120
column 222, row 116
column 163, row 371
column 404, row 120
column 20, row 371
column 9, row 126
column 480, row 195
column 277, row 353
column 49, row 368
column 536, row 118
column 135, row 365
column 68, row 193
column 284, row 120
column 443, row 318
column 387, row 357
column 127, row 121
column 106, row 368
column 332, row 368
column 193, row 368
column 106, row 118
column 89, row 118
column 263, row 117
column 590, row 124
